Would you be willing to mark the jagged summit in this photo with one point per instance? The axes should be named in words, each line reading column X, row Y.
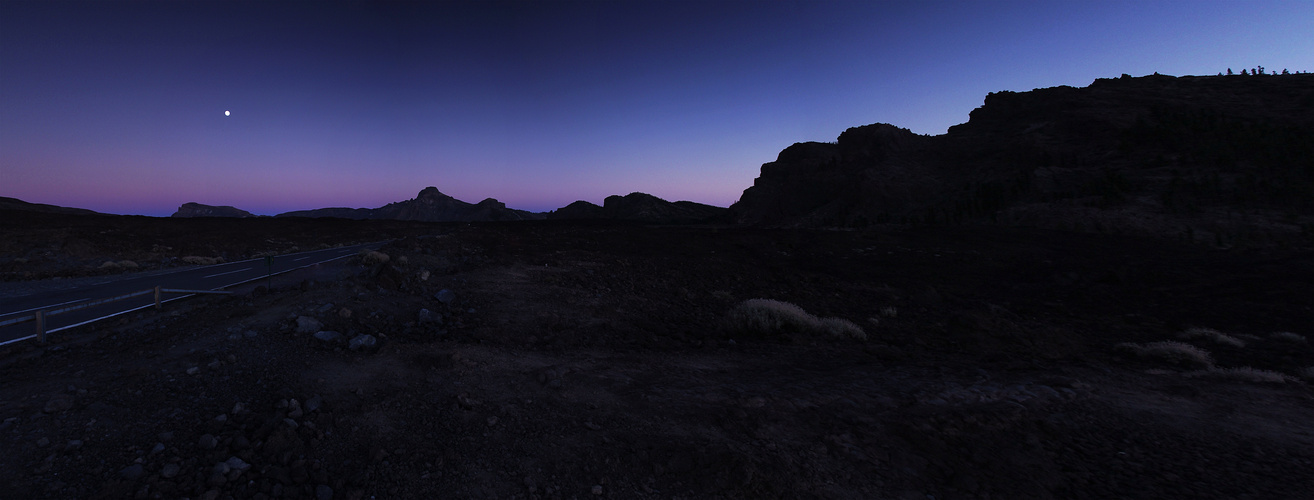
column 1222, row 158
column 430, row 205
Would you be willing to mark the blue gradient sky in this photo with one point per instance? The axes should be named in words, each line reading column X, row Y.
column 119, row 107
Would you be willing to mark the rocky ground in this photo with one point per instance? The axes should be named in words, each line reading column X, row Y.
column 552, row 360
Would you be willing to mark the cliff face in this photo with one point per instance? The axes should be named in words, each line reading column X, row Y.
column 430, row 205
column 199, row 210
column 1223, row 159
column 640, row 207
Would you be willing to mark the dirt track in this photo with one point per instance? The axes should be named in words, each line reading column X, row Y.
column 581, row 359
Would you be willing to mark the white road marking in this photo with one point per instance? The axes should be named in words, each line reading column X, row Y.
column 229, row 272
column 303, row 258
column 45, row 307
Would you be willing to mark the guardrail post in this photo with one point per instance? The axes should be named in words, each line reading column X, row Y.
column 157, row 297
column 41, row 326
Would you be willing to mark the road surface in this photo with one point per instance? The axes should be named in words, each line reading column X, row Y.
column 216, row 277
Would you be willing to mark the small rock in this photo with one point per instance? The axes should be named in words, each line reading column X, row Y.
column 307, row 324
column 158, row 448
column 237, row 408
column 165, row 436
column 238, row 464
column 169, row 471
column 291, row 423
column 58, row 404
column 313, row 404
column 328, row 335
column 344, row 313
column 325, row 308
column 133, row 472
column 73, row 445
column 445, row 296
column 193, row 370
column 223, row 417
column 597, row 489
column 492, row 421
column 323, row 492
column 250, row 334
column 427, row 316
column 363, row 342
column 208, row 442
column 43, row 442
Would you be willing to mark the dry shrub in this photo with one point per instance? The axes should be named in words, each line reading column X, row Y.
column 889, row 311
column 843, row 328
column 372, row 257
column 1177, row 353
column 1242, row 374
column 766, row 317
column 202, row 261
column 123, row 264
column 1287, row 337
column 1211, row 335
column 1306, row 373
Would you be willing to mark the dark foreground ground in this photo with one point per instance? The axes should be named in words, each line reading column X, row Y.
column 587, row 360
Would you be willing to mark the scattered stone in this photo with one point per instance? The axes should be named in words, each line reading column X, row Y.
column 223, row 417
column 194, row 370
column 238, row 408
column 597, row 489
column 73, row 445
column 307, row 324
column 58, row 404
column 165, row 436
column 132, row 472
column 237, row 464
column 492, row 421
column 427, row 316
column 250, row 334
column 328, row 335
column 158, row 448
column 424, row 275
column 445, row 296
column 208, row 442
column 323, row 492
column 344, row 313
column 43, row 442
column 313, row 404
column 325, row 308
column 363, row 342
column 169, row 471
column 291, row 423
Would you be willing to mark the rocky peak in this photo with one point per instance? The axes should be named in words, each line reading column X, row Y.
column 198, row 210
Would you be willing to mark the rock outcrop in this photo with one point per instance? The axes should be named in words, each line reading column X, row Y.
column 1218, row 159
column 640, row 207
column 199, row 210
column 430, row 205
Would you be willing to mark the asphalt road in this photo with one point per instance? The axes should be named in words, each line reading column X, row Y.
column 216, row 277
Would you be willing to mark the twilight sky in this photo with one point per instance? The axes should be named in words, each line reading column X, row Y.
column 119, row 107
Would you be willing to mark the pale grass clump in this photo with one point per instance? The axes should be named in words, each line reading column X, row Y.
column 373, row 257
column 1178, row 353
column 766, row 317
column 889, row 311
column 1211, row 335
column 197, row 260
column 1288, row 337
column 1243, row 374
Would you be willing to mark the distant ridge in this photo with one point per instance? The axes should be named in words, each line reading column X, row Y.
column 198, row 210
column 1218, row 159
column 17, row 204
column 641, row 207
column 430, row 205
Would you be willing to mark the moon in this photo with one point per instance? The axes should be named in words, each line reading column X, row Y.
column 225, row 113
